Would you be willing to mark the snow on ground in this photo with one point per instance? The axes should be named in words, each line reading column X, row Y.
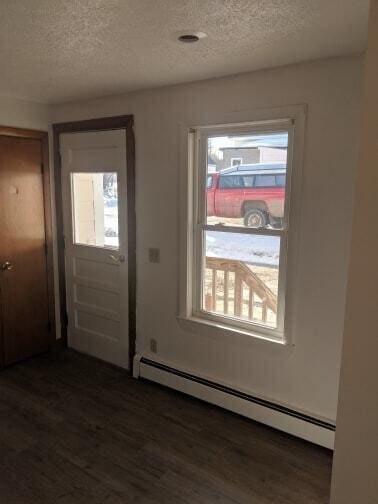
column 259, row 250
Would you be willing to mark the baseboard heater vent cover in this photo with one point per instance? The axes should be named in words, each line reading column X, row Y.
column 275, row 415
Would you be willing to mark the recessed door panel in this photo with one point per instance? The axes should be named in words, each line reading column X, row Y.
column 97, row 298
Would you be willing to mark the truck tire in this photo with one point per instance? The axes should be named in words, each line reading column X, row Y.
column 255, row 218
column 276, row 222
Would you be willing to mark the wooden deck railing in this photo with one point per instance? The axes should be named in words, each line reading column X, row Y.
column 239, row 287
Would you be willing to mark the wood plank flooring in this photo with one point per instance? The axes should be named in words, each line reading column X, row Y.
column 75, row 430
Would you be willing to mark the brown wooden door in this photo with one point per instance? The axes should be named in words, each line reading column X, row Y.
column 23, row 283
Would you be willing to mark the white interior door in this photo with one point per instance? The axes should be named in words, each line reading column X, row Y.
column 95, row 230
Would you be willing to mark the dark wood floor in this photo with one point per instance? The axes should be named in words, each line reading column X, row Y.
column 75, row 430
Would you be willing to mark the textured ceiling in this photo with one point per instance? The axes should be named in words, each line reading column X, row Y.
column 59, row 50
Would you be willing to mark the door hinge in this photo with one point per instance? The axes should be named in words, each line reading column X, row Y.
column 42, row 168
column 45, row 247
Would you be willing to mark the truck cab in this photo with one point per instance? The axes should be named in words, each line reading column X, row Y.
column 254, row 192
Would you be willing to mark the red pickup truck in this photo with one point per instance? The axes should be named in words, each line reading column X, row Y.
column 254, row 192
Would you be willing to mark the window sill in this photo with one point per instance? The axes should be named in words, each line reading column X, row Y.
column 229, row 330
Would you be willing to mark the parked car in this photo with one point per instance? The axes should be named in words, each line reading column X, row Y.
column 254, row 192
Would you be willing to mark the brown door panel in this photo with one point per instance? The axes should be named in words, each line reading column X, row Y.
column 24, row 298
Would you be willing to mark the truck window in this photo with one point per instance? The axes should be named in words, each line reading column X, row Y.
column 231, row 182
column 209, row 183
column 280, row 180
column 265, row 181
column 248, row 181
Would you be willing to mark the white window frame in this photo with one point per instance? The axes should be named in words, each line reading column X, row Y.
column 193, row 183
column 236, row 159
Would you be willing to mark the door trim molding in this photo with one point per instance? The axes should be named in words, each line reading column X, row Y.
column 125, row 122
column 44, row 139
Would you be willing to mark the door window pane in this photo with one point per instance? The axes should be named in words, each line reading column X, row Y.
column 240, row 276
column 95, row 209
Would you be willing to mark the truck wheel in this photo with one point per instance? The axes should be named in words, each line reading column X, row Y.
column 255, row 218
column 276, row 223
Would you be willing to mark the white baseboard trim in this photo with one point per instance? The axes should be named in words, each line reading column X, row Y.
column 303, row 426
column 136, row 365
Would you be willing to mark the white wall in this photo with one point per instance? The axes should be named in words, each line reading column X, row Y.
column 23, row 114
column 355, row 474
column 304, row 377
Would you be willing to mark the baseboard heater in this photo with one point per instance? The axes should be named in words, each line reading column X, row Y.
column 310, row 428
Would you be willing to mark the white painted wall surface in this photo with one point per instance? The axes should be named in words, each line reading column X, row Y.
column 23, row 114
column 304, row 377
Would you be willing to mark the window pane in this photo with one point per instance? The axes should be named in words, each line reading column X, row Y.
column 250, row 192
column 236, row 161
column 248, row 180
column 280, row 180
column 231, row 182
column 240, row 277
column 265, row 181
column 95, row 209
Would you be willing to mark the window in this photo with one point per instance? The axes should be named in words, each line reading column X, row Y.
column 248, row 181
column 239, row 244
column 209, row 183
column 95, row 209
column 280, row 180
column 231, row 182
column 235, row 181
column 265, row 181
column 236, row 161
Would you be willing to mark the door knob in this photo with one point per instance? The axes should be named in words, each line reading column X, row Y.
column 7, row 266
